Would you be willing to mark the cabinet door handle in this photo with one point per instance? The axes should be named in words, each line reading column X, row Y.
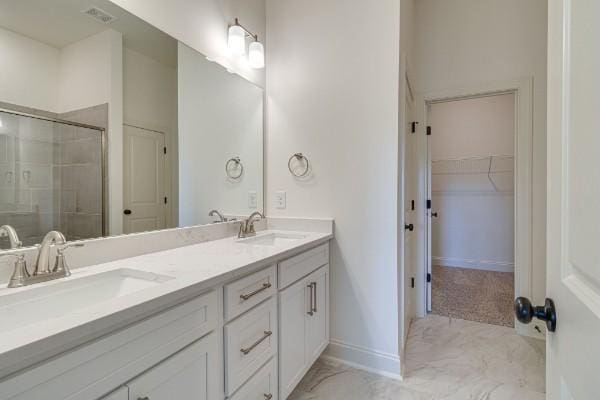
column 314, row 309
column 259, row 341
column 268, row 396
column 311, row 306
column 265, row 286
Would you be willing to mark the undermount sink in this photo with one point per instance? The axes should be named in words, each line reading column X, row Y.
column 273, row 239
column 61, row 298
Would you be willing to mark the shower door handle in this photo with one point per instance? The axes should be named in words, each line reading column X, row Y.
column 127, row 211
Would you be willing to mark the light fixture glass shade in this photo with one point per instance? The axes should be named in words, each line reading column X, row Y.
column 237, row 40
column 256, row 55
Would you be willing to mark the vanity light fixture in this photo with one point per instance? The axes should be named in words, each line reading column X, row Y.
column 236, row 42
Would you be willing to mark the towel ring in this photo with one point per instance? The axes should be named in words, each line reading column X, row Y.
column 239, row 165
column 299, row 156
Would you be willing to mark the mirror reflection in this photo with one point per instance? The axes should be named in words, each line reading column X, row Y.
column 110, row 126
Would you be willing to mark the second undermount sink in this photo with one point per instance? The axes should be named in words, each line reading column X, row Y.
column 273, row 239
column 61, row 298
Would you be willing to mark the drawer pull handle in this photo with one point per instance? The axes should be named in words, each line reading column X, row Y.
column 315, row 296
column 268, row 396
column 311, row 296
column 259, row 341
column 144, row 398
column 265, row 286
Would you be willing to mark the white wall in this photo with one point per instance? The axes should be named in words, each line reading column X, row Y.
column 464, row 43
column 475, row 224
column 203, row 24
column 332, row 80
column 29, row 72
column 220, row 117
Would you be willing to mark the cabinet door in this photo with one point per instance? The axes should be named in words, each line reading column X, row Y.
column 119, row 394
column 317, row 324
column 293, row 308
column 191, row 373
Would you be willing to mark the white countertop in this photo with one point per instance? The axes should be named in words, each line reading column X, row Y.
column 194, row 269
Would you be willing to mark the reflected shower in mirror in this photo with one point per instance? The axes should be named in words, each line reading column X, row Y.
column 109, row 126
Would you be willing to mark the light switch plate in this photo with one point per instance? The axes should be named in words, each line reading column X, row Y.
column 280, row 200
column 252, row 199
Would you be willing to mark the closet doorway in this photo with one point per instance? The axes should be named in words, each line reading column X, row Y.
column 471, row 233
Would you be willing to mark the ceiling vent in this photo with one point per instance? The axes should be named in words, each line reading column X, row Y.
column 100, row 15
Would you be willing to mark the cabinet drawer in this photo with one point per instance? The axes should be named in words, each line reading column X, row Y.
column 294, row 268
column 94, row 369
column 245, row 293
column 261, row 386
column 249, row 342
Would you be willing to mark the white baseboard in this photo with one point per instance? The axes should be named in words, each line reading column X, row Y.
column 359, row 357
column 485, row 265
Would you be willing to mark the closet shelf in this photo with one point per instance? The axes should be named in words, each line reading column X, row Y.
column 491, row 168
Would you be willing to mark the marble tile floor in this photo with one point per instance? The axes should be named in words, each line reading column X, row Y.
column 446, row 359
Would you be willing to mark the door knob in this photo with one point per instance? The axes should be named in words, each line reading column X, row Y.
column 127, row 212
column 525, row 312
column 434, row 214
column 409, row 227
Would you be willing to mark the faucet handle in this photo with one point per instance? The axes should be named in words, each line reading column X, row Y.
column 61, row 266
column 20, row 272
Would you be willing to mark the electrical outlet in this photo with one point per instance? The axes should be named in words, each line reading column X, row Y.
column 252, row 199
column 280, row 200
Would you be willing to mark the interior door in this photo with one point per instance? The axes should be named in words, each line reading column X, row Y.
column 573, row 253
column 143, row 180
column 428, row 216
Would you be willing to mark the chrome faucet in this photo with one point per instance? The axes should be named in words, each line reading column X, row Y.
column 212, row 213
column 42, row 271
column 247, row 226
column 7, row 230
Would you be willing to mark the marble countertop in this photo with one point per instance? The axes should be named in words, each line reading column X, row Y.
column 193, row 269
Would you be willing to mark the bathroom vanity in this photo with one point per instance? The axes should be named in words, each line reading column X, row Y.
column 230, row 318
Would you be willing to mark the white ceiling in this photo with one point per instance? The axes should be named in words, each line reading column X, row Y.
column 61, row 22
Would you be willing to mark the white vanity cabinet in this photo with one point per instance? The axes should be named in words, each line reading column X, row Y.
column 303, row 318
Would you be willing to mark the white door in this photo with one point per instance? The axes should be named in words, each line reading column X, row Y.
column 294, row 306
column 143, row 180
column 317, row 332
column 192, row 373
column 573, row 238
column 429, row 216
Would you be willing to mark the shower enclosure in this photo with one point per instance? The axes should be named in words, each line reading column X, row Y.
column 51, row 177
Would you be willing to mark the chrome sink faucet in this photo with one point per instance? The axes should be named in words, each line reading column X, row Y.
column 42, row 271
column 247, row 226
column 7, row 230
column 212, row 213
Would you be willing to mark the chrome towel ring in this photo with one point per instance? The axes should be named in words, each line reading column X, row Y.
column 301, row 158
column 238, row 165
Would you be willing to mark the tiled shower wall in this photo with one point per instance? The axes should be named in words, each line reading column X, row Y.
column 50, row 175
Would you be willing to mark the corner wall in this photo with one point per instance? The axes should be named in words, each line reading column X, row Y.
column 332, row 88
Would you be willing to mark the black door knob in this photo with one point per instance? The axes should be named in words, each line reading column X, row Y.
column 434, row 214
column 127, row 212
column 525, row 312
column 409, row 227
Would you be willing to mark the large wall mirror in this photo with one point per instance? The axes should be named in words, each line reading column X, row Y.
column 110, row 126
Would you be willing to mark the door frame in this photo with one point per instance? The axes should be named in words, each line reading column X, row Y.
column 523, row 91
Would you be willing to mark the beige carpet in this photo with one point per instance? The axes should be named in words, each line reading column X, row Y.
column 473, row 295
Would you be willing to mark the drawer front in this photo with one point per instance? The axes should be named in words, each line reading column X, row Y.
column 245, row 293
column 303, row 264
column 91, row 371
column 249, row 342
column 262, row 386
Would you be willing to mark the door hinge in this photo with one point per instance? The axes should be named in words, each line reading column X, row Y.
column 412, row 205
column 428, row 277
column 165, row 199
column 429, row 131
column 165, row 150
column 413, row 126
column 428, row 204
column 412, row 282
